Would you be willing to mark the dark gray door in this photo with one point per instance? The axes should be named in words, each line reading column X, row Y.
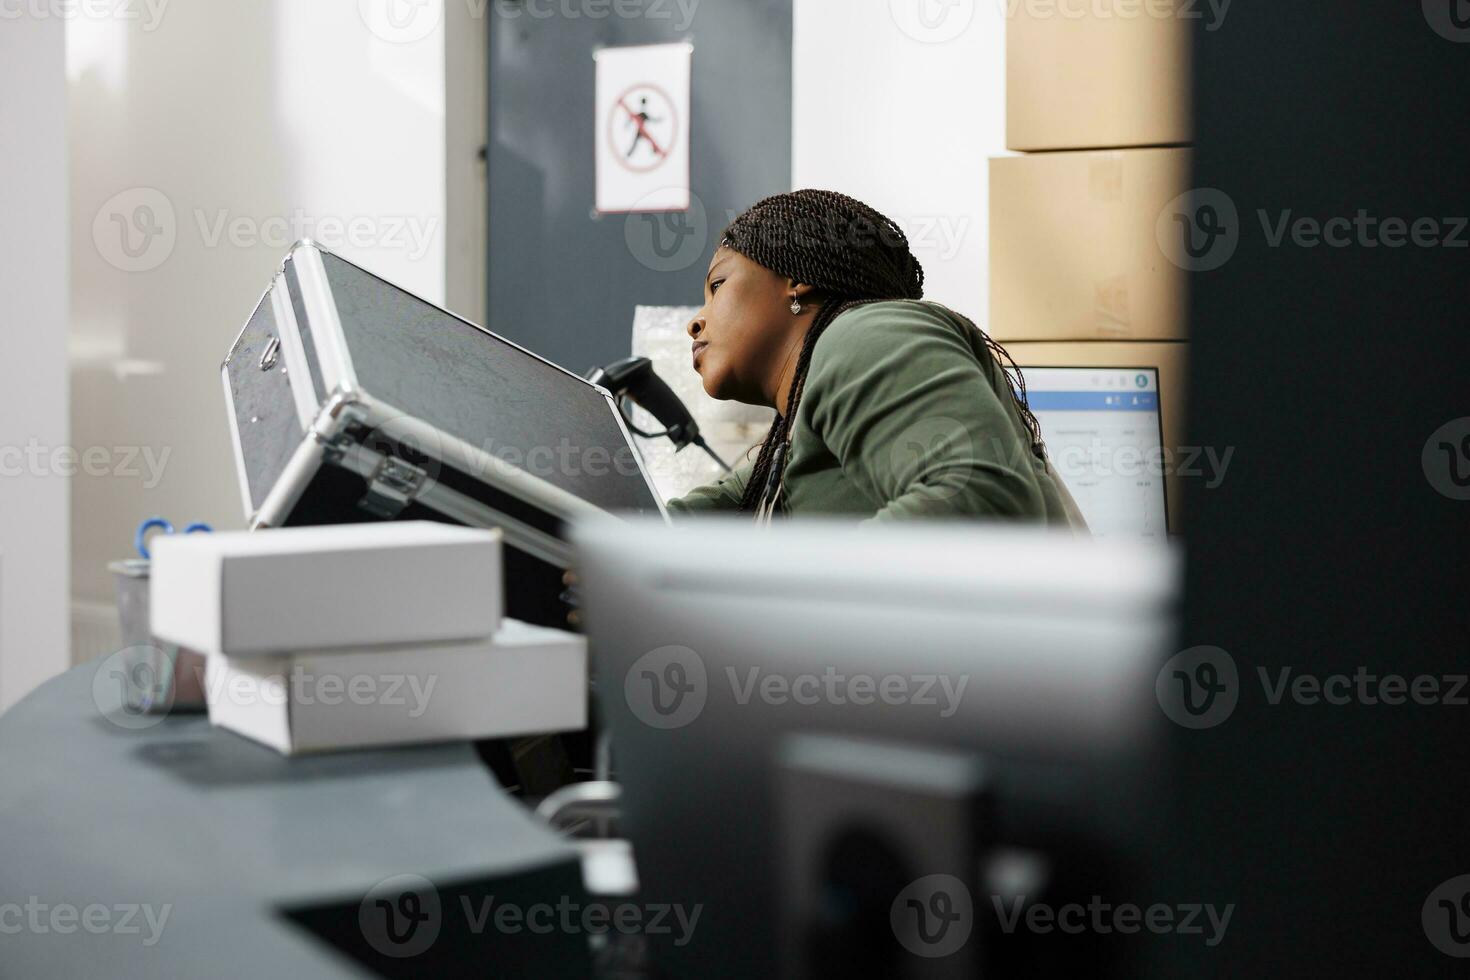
column 563, row 281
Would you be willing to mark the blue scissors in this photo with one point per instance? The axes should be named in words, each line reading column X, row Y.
column 166, row 528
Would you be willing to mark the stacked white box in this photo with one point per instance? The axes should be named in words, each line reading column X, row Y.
column 350, row 636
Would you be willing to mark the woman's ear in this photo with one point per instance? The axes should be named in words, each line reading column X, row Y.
column 803, row 292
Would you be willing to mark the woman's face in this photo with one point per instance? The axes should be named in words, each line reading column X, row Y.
column 745, row 332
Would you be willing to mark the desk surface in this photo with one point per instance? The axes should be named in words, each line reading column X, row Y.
column 225, row 833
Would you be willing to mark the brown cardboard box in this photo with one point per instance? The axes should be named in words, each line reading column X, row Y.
column 1099, row 73
column 1073, row 247
column 1172, row 360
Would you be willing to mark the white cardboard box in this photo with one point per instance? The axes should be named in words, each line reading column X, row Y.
column 303, row 588
column 526, row 679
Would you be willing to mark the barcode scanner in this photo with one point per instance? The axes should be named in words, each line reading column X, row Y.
column 634, row 378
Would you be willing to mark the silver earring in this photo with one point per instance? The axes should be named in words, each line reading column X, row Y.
column 795, row 306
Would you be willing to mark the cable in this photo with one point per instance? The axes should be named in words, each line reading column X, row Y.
column 699, row 441
column 633, row 428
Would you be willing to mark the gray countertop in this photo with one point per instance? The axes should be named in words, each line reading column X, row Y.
column 224, row 834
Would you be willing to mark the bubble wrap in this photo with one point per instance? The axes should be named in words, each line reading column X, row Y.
column 730, row 427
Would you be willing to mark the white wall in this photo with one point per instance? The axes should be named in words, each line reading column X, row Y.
column 242, row 126
column 33, row 398
column 899, row 103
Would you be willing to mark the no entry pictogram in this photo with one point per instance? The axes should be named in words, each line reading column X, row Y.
column 642, row 128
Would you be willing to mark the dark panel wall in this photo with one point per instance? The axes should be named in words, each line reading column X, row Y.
column 562, row 281
column 1330, row 546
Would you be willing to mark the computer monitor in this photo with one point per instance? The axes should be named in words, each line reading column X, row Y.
column 1104, row 433
column 713, row 641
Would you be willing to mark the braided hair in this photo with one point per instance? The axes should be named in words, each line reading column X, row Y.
column 851, row 255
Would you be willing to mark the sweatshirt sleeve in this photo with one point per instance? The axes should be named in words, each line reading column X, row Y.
column 722, row 495
column 900, row 398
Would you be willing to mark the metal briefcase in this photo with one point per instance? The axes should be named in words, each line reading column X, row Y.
column 353, row 400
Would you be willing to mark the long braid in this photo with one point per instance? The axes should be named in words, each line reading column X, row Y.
column 850, row 254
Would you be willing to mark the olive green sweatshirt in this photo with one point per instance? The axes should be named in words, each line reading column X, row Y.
column 905, row 414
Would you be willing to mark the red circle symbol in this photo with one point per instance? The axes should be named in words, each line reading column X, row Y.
column 642, row 128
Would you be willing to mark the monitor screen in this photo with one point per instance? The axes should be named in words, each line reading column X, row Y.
column 1104, row 434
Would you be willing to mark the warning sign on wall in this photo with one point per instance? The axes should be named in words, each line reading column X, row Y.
column 642, row 132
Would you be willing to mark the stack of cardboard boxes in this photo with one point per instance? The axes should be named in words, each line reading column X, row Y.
column 1098, row 101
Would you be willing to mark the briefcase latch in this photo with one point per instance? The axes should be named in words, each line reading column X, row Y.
column 392, row 487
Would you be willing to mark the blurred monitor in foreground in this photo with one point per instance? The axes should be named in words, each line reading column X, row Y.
column 1030, row 654
column 1104, row 433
